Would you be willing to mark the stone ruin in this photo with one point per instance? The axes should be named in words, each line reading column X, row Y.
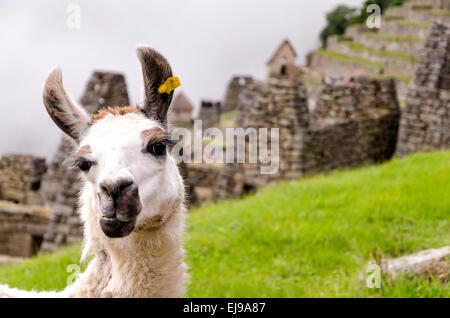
column 22, row 228
column 180, row 111
column 234, row 88
column 210, row 113
column 425, row 122
column 22, row 221
column 352, row 125
column 61, row 185
column 393, row 50
column 20, row 178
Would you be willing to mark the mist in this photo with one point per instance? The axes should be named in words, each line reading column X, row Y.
column 206, row 43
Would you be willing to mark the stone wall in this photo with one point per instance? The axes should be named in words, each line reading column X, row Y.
column 22, row 228
column 335, row 67
column 235, row 86
column 352, row 125
column 418, row 11
column 369, row 40
column 203, row 175
column 392, row 66
column 199, row 180
column 20, row 178
column 425, row 122
column 276, row 104
column 210, row 113
column 61, row 184
column 433, row 71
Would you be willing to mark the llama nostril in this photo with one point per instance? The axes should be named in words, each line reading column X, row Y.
column 124, row 186
column 114, row 190
column 104, row 190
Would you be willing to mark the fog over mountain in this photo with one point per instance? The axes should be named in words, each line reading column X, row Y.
column 205, row 41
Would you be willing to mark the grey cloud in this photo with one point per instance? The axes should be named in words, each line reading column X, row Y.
column 205, row 41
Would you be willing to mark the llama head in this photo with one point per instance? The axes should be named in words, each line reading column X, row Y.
column 122, row 151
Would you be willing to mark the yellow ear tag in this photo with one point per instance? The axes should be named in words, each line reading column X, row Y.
column 169, row 85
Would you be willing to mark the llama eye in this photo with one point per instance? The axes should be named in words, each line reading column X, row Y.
column 84, row 165
column 157, row 148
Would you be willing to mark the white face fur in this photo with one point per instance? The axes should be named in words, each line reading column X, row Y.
column 133, row 180
column 117, row 152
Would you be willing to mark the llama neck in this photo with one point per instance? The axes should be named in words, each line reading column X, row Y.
column 149, row 263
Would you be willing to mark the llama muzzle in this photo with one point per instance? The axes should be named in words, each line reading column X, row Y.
column 120, row 205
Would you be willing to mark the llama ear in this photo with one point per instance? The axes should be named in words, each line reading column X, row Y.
column 155, row 70
column 67, row 115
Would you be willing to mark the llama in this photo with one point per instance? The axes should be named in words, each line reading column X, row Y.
column 132, row 200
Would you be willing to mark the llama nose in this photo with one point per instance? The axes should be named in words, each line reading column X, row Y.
column 115, row 189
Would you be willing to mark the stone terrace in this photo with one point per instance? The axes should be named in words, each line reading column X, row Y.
column 392, row 50
column 425, row 123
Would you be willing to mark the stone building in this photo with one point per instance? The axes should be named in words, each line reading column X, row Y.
column 282, row 61
column 210, row 113
column 180, row 111
column 353, row 125
column 20, row 178
column 425, row 122
column 22, row 228
column 234, row 87
column 61, row 184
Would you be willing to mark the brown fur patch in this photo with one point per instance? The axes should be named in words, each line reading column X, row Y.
column 116, row 111
column 85, row 150
column 150, row 136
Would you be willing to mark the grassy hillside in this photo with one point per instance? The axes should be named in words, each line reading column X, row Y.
column 307, row 238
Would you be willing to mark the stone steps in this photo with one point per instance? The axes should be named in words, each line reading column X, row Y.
column 390, row 42
column 406, row 27
column 396, row 63
column 416, row 12
column 397, row 45
column 332, row 65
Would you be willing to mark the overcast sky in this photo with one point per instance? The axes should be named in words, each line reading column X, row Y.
column 206, row 42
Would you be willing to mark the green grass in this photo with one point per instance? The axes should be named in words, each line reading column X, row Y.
column 45, row 272
column 359, row 47
column 393, row 37
column 310, row 237
column 346, row 58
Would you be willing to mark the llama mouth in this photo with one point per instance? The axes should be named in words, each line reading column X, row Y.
column 114, row 228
